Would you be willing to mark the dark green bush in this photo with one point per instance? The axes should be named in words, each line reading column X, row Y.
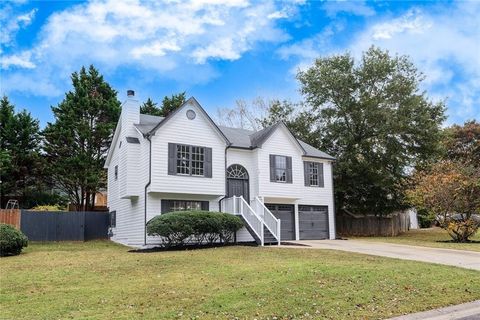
column 425, row 219
column 194, row 227
column 12, row 241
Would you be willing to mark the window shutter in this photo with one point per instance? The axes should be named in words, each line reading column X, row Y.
column 113, row 219
column 320, row 175
column 289, row 169
column 207, row 164
column 306, row 173
column 205, row 205
column 272, row 168
column 172, row 165
column 166, row 206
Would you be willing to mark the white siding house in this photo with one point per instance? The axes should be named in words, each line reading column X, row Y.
column 185, row 161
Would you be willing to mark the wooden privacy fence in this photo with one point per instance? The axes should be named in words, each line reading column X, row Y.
column 10, row 216
column 388, row 226
column 58, row 225
column 64, row 225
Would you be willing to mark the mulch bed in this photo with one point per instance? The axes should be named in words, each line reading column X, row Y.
column 192, row 247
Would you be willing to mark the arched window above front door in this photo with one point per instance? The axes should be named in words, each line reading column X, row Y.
column 237, row 171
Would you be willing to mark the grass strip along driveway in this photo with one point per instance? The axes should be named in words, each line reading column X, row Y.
column 101, row 280
column 432, row 237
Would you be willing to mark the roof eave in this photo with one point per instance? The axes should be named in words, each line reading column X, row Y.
column 113, row 144
column 275, row 126
column 193, row 101
column 319, row 157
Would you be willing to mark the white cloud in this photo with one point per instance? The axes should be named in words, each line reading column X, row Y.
column 11, row 23
column 156, row 48
column 163, row 38
column 223, row 48
column 278, row 15
column 307, row 50
column 21, row 61
column 412, row 22
column 443, row 42
column 358, row 8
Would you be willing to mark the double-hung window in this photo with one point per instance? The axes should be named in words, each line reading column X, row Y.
column 189, row 160
column 313, row 174
column 280, row 169
column 198, row 160
column 183, row 159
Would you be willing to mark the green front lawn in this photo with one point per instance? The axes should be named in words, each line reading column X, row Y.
column 100, row 280
column 433, row 237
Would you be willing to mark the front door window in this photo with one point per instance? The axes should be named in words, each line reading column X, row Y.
column 237, row 182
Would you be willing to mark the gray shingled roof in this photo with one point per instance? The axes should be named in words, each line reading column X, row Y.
column 258, row 137
column 240, row 138
column 314, row 152
column 148, row 119
column 147, row 123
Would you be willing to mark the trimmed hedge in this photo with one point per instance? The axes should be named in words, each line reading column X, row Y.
column 12, row 241
column 194, row 227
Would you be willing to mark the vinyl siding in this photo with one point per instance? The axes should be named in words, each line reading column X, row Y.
column 130, row 214
column 133, row 163
column 281, row 143
column 197, row 132
column 155, row 203
column 248, row 159
column 132, row 160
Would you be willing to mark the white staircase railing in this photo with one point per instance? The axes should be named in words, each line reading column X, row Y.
column 271, row 222
column 238, row 205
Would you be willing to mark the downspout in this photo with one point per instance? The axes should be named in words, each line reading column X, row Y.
column 333, row 202
column 146, row 187
column 226, row 191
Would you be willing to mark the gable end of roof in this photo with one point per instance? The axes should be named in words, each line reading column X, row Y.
column 190, row 101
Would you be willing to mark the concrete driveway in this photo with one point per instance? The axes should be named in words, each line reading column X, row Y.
column 457, row 258
column 465, row 311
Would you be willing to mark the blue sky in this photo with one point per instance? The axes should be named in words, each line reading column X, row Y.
column 222, row 51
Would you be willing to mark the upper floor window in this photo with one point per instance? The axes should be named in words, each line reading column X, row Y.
column 189, row 160
column 280, row 168
column 313, row 172
column 116, row 172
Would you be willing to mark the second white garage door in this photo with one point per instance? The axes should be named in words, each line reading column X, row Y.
column 313, row 222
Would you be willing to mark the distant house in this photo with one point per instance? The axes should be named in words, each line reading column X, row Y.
column 281, row 186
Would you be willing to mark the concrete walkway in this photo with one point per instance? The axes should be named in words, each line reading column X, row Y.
column 465, row 311
column 457, row 258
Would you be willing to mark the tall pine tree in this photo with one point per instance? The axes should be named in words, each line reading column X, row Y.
column 76, row 143
column 150, row 107
column 20, row 161
column 169, row 104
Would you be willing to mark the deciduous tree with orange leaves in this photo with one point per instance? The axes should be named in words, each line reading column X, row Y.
column 450, row 191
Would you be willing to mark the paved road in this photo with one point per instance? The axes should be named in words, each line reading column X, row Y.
column 465, row 311
column 457, row 258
